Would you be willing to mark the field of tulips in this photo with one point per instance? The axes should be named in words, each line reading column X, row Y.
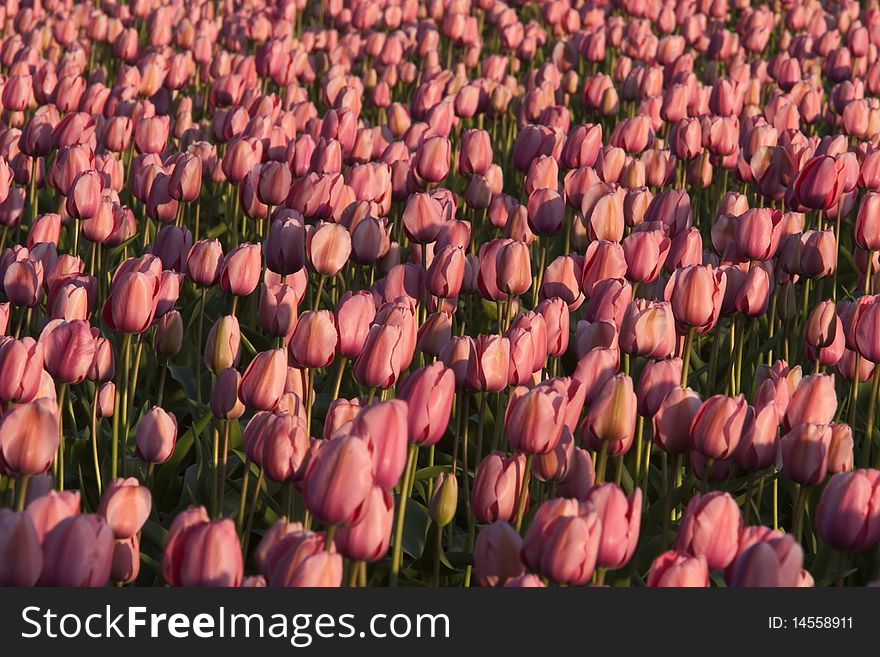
column 439, row 293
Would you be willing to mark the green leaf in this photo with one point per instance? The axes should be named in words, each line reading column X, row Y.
column 432, row 471
column 186, row 377
column 415, row 529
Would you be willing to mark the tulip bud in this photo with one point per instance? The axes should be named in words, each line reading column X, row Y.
column 125, row 506
column 29, row 438
column 78, row 552
column 444, row 499
column 710, row 528
column 156, row 435
column 262, row 383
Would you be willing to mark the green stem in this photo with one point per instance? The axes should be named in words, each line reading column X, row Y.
column 95, row 440
column 686, row 356
column 62, row 393
column 797, row 525
column 21, row 492
column 397, row 553
column 200, row 352
column 438, row 548
column 329, row 533
column 243, row 500
column 872, row 407
column 524, row 491
column 601, row 460
column 250, row 523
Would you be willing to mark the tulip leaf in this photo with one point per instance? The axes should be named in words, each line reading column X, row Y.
column 415, row 529
column 167, row 472
column 186, row 377
column 432, row 471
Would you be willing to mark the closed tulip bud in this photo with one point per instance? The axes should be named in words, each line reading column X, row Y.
column 68, row 349
column 673, row 419
column 757, row 448
column 866, row 329
column 329, row 247
column 534, row 420
column 262, row 383
column 354, row 313
column 804, row 453
column 595, row 369
column 185, row 182
column 423, row 218
column 612, row 415
column 757, row 233
column 446, row 273
column 204, row 554
column 696, row 293
column 106, row 399
column 240, row 271
column 497, row 487
column 285, row 245
column 774, row 562
column 22, row 555
column 222, row 346
column 603, row 260
column 656, row 381
column 299, row 560
column 475, row 154
column 645, row 252
column 274, row 183
column 277, row 442
column 546, row 211
column 169, row 334
column 444, row 500
column 678, row 569
column 85, row 195
column 620, row 516
column 78, row 552
column 383, row 427
column 21, row 367
column 814, row 400
column 376, row 364
column 867, row 235
column 132, row 301
column 29, row 438
column 489, row 368
column 204, row 262
column 823, row 325
column 496, row 555
column 156, row 435
column 840, row 451
column 717, row 427
column 817, row 185
column 710, row 528
column 313, row 343
column 225, row 404
column 368, row 539
column 847, row 516
column 277, row 309
column 818, row 258
column 580, row 474
column 339, row 481
column 429, row 392
column 151, row 134
column 609, row 301
column 571, row 548
column 432, row 159
column 23, row 282
column 126, row 560
column 648, row 329
column 513, row 268
column 125, row 506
